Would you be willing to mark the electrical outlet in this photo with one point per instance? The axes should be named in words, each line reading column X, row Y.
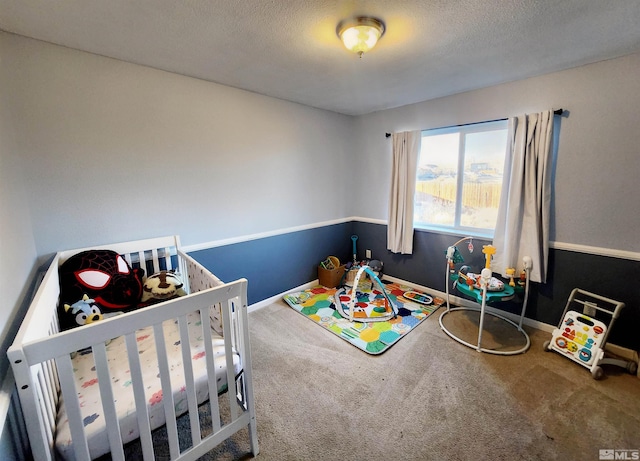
column 368, row 254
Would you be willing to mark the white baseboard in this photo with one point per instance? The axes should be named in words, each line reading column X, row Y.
column 265, row 302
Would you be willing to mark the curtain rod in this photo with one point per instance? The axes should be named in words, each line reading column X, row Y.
column 555, row 112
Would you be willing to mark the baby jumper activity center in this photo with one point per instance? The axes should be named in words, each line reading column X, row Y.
column 484, row 289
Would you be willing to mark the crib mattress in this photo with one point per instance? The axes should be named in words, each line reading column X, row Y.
column 89, row 392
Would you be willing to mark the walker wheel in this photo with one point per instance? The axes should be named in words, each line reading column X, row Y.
column 632, row 368
column 546, row 346
column 597, row 373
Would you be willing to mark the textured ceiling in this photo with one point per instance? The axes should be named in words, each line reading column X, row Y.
column 288, row 49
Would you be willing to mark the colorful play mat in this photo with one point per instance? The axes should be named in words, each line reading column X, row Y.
column 319, row 304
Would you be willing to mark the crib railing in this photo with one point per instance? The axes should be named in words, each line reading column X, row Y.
column 37, row 384
column 43, row 369
column 14, row 445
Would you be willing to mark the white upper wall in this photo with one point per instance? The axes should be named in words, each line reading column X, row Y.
column 598, row 165
column 114, row 151
column 17, row 246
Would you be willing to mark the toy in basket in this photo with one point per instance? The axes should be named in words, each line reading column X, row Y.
column 580, row 338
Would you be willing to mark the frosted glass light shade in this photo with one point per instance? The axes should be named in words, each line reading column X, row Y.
column 360, row 34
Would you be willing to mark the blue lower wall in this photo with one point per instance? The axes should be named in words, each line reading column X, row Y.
column 276, row 264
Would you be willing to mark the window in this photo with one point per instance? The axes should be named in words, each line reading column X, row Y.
column 459, row 177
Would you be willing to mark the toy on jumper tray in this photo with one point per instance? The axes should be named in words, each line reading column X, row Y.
column 474, row 280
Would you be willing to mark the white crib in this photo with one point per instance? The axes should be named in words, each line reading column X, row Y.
column 41, row 358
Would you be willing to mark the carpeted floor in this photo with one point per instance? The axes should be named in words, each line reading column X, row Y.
column 427, row 398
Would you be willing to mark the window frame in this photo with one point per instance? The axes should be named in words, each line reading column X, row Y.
column 463, row 130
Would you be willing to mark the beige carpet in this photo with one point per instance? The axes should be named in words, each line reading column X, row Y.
column 427, row 398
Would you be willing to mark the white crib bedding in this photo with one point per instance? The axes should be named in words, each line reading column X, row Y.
column 89, row 392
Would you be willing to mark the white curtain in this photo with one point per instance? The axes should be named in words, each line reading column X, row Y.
column 524, row 212
column 406, row 150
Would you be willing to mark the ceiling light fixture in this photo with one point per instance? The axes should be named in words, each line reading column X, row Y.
column 360, row 34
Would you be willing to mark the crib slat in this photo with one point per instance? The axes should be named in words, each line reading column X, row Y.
column 45, row 396
column 72, row 404
column 108, row 402
column 142, row 412
column 154, row 259
column 246, row 379
column 183, row 268
column 238, row 342
column 167, row 393
column 43, row 411
column 142, row 262
column 247, row 374
column 211, row 365
column 192, row 402
column 127, row 257
column 228, row 355
column 167, row 257
column 17, row 426
column 52, row 381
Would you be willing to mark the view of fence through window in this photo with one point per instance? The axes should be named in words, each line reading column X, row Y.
column 466, row 162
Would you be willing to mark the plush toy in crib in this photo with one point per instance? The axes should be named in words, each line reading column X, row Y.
column 161, row 286
column 83, row 312
column 105, row 277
